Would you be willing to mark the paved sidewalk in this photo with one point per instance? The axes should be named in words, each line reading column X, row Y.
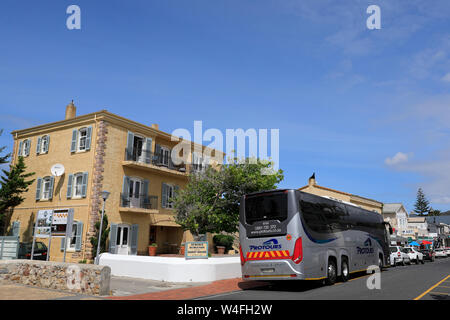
column 214, row 288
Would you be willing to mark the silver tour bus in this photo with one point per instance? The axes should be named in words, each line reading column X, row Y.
column 289, row 234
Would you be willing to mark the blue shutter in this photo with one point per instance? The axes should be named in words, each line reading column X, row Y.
column 134, row 239
column 52, row 183
column 19, row 153
column 73, row 145
column 38, row 188
column 148, row 150
column 125, row 191
column 158, row 154
column 79, row 236
column 88, row 138
column 145, row 194
column 164, row 195
column 112, row 238
column 47, row 145
column 69, row 186
column 27, row 147
column 38, row 145
column 130, row 139
column 15, row 228
column 84, row 184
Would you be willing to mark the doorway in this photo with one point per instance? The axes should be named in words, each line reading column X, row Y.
column 123, row 239
column 135, row 192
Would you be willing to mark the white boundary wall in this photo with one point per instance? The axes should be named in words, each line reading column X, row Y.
column 172, row 269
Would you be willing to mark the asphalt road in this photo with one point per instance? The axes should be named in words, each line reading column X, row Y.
column 430, row 281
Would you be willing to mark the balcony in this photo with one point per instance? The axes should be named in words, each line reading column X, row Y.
column 148, row 160
column 140, row 203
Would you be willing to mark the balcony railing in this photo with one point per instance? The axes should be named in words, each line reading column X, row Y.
column 149, row 157
column 141, row 202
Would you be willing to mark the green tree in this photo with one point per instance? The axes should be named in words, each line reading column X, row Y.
column 3, row 159
column 13, row 184
column 434, row 212
column 210, row 200
column 422, row 205
column 105, row 235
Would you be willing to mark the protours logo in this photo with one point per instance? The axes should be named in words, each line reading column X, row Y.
column 269, row 244
column 367, row 249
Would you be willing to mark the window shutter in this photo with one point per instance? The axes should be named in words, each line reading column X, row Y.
column 73, row 145
column 88, row 138
column 84, row 184
column 63, row 242
column 130, row 139
column 79, row 236
column 38, row 188
column 164, row 195
column 52, row 183
column 158, row 154
column 15, row 228
column 176, row 189
column 112, row 238
column 134, row 239
column 20, row 148
column 148, row 150
column 145, row 193
column 126, row 190
column 69, row 186
column 38, row 145
column 27, row 147
column 47, row 145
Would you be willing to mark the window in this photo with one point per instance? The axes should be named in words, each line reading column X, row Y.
column 164, row 156
column 168, row 192
column 78, row 185
column 82, row 138
column 24, row 148
column 46, row 185
column 42, row 144
column 73, row 237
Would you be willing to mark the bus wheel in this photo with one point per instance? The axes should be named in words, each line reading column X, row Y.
column 344, row 270
column 331, row 273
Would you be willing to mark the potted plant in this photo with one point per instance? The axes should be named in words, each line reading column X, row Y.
column 220, row 249
column 152, row 249
column 223, row 243
column 182, row 247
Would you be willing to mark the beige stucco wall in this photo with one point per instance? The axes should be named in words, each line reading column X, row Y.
column 59, row 152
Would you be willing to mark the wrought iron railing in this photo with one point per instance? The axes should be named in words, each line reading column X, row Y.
column 142, row 201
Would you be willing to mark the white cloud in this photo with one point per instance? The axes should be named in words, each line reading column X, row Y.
column 446, row 78
column 398, row 158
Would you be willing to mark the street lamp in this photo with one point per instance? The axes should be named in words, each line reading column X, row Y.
column 105, row 195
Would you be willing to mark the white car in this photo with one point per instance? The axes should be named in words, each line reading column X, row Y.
column 398, row 256
column 447, row 250
column 440, row 253
column 414, row 255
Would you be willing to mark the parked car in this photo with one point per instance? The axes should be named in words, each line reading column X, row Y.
column 428, row 254
column 40, row 250
column 414, row 255
column 398, row 256
column 447, row 250
column 440, row 253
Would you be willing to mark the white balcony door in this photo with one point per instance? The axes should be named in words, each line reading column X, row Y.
column 123, row 239
column 138, row 148
column 135, row 192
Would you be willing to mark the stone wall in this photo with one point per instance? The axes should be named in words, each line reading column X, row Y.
column 78, row 278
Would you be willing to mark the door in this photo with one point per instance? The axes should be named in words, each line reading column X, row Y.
column 135, row 193
column 138, row 146
column 123, row 239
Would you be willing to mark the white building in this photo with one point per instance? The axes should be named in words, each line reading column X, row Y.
column 397, row 216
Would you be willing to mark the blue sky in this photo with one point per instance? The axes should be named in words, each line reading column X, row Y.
column 367, row 110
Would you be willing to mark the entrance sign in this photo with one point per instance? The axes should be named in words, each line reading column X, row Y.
column 43, row 227
column 196, row 250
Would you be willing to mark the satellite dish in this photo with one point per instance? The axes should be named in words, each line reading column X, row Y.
column 57, row 170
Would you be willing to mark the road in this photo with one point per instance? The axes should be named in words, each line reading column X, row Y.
column 430, row 281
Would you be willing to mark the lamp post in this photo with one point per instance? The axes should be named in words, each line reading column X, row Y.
column 105, row 195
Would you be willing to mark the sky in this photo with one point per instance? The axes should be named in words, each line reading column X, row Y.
column 367, row 110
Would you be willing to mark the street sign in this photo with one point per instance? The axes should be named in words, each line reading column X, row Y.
column 196, row 250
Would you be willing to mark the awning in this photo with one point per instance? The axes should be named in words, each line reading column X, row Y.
column 164, row 220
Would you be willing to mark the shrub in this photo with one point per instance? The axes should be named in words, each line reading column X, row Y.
column 223, row 240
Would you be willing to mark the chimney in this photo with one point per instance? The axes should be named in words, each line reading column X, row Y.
column 71, row 111
column 312, row 180
column 155, row 126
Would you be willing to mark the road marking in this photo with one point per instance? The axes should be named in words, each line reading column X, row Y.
column 437, row 284
column 440, row 293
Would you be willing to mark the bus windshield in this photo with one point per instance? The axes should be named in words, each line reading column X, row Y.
column 262, row 207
